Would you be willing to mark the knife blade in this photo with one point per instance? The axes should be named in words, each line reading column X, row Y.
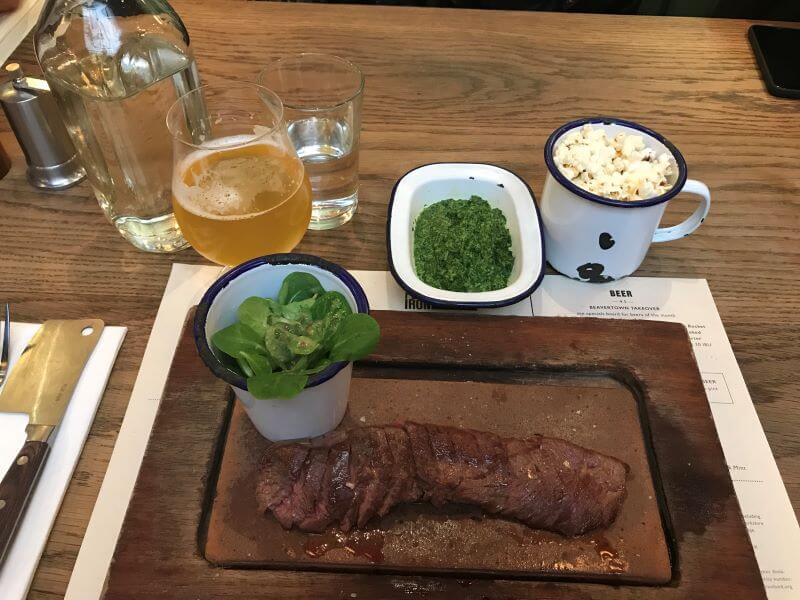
column 41, row 385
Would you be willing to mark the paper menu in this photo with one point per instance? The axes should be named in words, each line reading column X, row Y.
column 185, row 286
column 765, row 503
column 762, row 496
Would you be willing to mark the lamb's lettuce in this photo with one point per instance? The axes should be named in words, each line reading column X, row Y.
column 277, row 345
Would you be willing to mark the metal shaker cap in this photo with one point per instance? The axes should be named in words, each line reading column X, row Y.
column 35, row 119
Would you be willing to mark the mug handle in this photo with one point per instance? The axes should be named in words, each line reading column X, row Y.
column 692, row 186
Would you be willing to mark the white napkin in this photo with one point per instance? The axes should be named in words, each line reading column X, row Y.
column 65, row 448
column 15, row 25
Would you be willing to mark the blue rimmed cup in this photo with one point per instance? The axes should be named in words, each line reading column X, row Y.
column 320, row 407
column 596, row 239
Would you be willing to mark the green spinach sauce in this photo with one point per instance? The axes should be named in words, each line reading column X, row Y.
column 463, row 246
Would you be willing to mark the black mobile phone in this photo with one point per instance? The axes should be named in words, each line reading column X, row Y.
column 777, row 51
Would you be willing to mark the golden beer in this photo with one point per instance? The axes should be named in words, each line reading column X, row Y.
column 237, row 203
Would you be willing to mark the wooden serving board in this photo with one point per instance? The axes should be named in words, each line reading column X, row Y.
column 418, row 537
column 627, row 388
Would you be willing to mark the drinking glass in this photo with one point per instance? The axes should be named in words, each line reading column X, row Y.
column 322, row 95
column 239, row 189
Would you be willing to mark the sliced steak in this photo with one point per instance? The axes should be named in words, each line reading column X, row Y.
column 333, row 496
column 459, row 465
column 348, row 479
column 403, row 486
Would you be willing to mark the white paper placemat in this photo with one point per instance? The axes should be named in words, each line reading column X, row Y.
column 765, row 504
column 66, row 445
column 185, row 286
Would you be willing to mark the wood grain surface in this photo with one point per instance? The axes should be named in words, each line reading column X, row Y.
column 473, row 86
column 160, row 551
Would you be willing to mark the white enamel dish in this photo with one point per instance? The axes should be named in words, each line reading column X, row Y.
column 503, row 189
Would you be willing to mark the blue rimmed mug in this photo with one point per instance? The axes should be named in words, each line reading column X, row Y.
column 596, row 239
column 320, row 407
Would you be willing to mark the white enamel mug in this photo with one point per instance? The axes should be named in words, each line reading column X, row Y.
column 320, row 407
column 596, row 239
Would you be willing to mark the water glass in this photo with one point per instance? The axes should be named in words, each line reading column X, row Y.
column 322, row 97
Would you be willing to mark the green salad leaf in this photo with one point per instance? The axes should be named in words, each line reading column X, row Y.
column 236, row 339
column 277, row 345
column 253, row 363
column 300, row 310
column 282, row 384
column 299, row 286
column 287, row 338
column 254, row 311
column 327, row 314
column 355, row 337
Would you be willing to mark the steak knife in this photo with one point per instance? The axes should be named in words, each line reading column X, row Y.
column 40, row 384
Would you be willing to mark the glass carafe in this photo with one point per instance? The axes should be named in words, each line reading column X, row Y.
column 115, row 67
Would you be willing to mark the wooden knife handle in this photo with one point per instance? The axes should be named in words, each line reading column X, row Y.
column 16, row 487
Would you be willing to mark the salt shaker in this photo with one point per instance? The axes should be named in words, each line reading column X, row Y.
column 33, row 115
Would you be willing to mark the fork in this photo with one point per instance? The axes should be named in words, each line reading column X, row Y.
column 4, row 351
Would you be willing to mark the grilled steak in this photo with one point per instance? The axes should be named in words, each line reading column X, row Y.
column 348, row 478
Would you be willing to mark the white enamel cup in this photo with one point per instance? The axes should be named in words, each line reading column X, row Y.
column 320, row 407
column 596, row 239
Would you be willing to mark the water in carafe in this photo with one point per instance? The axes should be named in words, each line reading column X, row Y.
column 115, row 68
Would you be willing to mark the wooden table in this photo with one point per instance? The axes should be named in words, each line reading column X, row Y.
column 469, row 86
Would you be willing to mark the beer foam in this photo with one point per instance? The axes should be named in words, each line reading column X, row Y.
column 234, row 191
column 216, row 199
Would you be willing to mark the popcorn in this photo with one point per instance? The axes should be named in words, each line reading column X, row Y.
column 622, row 168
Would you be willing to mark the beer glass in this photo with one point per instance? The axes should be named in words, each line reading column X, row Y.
column 239, row 189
